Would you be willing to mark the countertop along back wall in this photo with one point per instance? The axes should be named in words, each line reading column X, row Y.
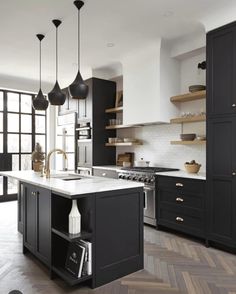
column 156, row 138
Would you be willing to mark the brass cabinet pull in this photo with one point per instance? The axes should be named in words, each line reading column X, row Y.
column 104, row 174
column 233, row 105
column 179, row 199
column 179, row 219
column 179, row 185
column 33, row 193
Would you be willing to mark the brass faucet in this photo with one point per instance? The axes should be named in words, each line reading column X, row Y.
column 47, row 164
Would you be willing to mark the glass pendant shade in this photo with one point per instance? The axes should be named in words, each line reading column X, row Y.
column 40, row 102
column 78, row 89
column 56, row 96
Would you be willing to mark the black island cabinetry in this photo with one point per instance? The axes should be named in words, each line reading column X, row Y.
column 116, row 234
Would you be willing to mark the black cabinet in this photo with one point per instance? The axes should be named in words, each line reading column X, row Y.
column 221, row 71
column 221, row 179
column 181, row 205
column 221, row 139
column 37, row 221
column 119, row 234
column 112, row 221
column 91, row 112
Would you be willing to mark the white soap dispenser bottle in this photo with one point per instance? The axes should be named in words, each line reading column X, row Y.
column 74, row 219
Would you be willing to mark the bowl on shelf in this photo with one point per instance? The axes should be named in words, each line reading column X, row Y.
column 201, row 137
column 129, row 140
column 192, row 168
column 187, row 137
column 196, row 88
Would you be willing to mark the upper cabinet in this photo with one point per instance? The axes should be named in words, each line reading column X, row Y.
column 221, row 73
column 150, row 77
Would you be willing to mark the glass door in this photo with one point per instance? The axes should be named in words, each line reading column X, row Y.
column 20, row 128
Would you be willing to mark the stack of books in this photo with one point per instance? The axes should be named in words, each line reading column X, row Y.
column 79, row 258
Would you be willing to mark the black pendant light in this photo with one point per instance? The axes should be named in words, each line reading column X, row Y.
column 78, row 89
column 56, row 96
column 39, row 102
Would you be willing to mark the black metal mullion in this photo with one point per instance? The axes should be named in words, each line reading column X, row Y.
column 19, row 131
column 4, row 138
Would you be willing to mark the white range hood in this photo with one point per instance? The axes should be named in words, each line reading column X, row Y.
column 150, row 78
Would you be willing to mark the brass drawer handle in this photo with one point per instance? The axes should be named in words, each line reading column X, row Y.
column 179, row 219
column 179, row 185
column 179, row 199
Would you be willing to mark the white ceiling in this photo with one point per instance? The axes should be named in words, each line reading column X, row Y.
column 128, row 24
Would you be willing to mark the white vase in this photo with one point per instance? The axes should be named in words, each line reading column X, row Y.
column 74, row 219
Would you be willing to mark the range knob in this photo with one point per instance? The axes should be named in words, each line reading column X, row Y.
column 141, row 179
column 120, row 177
column 147, row 180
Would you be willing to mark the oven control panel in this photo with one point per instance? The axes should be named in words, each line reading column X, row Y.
column 137, row 177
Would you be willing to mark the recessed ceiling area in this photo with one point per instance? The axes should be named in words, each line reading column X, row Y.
column 110, row 29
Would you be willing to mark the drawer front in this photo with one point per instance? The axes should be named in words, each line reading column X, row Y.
column 182, row 221
column 181, row 184
column 105, row 173
column 180, row 198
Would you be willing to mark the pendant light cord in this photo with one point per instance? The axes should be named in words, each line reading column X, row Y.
column 40, row 64
column 79, row 39
column 56, row 54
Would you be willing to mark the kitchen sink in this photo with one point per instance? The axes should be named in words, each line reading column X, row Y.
column 67, row 177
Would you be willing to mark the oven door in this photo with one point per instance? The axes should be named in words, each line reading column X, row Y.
column 149, row 205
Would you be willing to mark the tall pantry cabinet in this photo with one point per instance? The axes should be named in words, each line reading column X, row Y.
column 221, row 135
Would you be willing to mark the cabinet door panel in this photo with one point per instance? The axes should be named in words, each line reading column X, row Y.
column 29, row 218
column 43, row 248
column 221, row 71
column 119, row 234
column 221, row 143
column 222, row 211
column 84, row 154
column 221, row 163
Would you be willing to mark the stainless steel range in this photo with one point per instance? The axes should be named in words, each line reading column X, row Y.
column 146, row 175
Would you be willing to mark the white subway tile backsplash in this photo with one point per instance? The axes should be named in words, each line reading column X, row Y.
column 157, row 149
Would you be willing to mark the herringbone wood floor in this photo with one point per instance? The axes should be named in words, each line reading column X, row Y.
column 173, row 264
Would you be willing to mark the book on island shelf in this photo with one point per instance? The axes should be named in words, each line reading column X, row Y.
column 79, row 258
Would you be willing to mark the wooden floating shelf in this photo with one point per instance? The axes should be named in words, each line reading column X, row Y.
column 71, row 237
column 194, row 142
column 189, row 96
column 66, row 276
column 114, row 127
column 124, row 144
column 114, row 110
column 196, row 118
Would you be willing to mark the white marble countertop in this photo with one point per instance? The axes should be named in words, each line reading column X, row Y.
column 183, row 174
column 180, row 173
column 88, row 184
column 108, row 167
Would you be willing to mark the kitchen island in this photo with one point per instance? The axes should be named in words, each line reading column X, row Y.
column 112, row 220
